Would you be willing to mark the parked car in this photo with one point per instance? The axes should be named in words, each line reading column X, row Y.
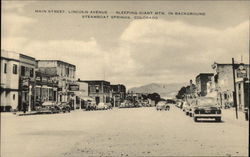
column 102, row 106
column 179, row 104
column 91, row 105
column 206, row 107
column 109, row 105
column 162, row 105
column 184, row 106
column 64, row 107
column 48, row 107
column 122, row 105
column 189, row 105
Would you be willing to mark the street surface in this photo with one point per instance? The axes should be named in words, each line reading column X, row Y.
column 122, row 132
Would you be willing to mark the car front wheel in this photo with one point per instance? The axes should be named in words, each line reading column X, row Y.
column 195, row 119
column 218, row 119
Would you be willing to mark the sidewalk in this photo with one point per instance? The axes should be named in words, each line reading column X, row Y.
column 25, row 114
column 229, row 115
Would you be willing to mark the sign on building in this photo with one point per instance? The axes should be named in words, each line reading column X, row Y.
column 241, row 71
column 74, row 87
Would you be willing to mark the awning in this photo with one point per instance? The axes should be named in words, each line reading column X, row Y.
column 86, row 98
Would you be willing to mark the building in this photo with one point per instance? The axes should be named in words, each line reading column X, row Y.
column 17, row 81
column 45, row 88
column 242, row 94
column 63, row 74
column 27, row 66
column 80, row 91
column 201, row 83
column 118, row 94
column 99, row 90
column 9, row 80
column 223, row 83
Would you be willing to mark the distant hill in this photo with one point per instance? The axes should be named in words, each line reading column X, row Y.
column 165, row 90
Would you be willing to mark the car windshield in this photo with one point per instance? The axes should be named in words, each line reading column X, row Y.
column 207, row 102
column 161, row 103
column 46, row 103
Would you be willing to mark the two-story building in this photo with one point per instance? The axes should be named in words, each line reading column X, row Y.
column 9, row 80
column 99, row 90
column 223, row 82
column 63, row 73
column 26, row 82
column 17, row 81
column 118, row 94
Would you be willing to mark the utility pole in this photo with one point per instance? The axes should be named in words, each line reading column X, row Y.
column 30, row 93
column 234, row 93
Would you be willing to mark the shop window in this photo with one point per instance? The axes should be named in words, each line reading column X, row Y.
column 31, row 72
column 67, row 71
column 14, row 69
column 225, row 96
column 22, row 71
column 5, row 68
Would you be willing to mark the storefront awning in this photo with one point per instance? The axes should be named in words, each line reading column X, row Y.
column 86, row 98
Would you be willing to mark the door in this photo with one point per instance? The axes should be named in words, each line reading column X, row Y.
column 97, row 100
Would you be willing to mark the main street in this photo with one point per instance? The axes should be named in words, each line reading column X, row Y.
column 121, row 132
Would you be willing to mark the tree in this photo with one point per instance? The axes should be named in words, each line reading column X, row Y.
column 181, row 93
column 154, row 96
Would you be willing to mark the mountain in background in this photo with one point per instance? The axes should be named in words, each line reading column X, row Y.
column 165, row 90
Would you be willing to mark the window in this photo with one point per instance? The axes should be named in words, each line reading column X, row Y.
column 67, row 71
column 97, row 89
column 5, row 68
column 14, row 69
column 22, row 71
column 31, row 72
column 14, row 96
column 92, row 89
column 225, row 96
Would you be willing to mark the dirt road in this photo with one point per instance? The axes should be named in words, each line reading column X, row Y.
column 121, row 132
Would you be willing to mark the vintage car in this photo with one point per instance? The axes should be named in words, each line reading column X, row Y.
column 206, row 107
column 48, row 107
column 125, row 104
column 109, row 105
column 64, row 107
column 102, row 106
column 189, row 105
column 91, row 105
column 162, row 105
column 184, row 106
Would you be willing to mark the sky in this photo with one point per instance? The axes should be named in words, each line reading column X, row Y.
column 133, row 52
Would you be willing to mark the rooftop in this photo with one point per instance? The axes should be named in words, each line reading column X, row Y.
column 63, row 62
column 89, row 81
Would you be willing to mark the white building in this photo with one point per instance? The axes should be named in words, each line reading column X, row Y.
column 9, row 80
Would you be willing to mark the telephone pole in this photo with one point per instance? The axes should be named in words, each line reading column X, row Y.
column 234, row 93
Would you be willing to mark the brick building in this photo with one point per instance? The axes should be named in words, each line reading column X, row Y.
column 118, row 93
column 223, row 82
column 99, row 90
column 201, row 83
